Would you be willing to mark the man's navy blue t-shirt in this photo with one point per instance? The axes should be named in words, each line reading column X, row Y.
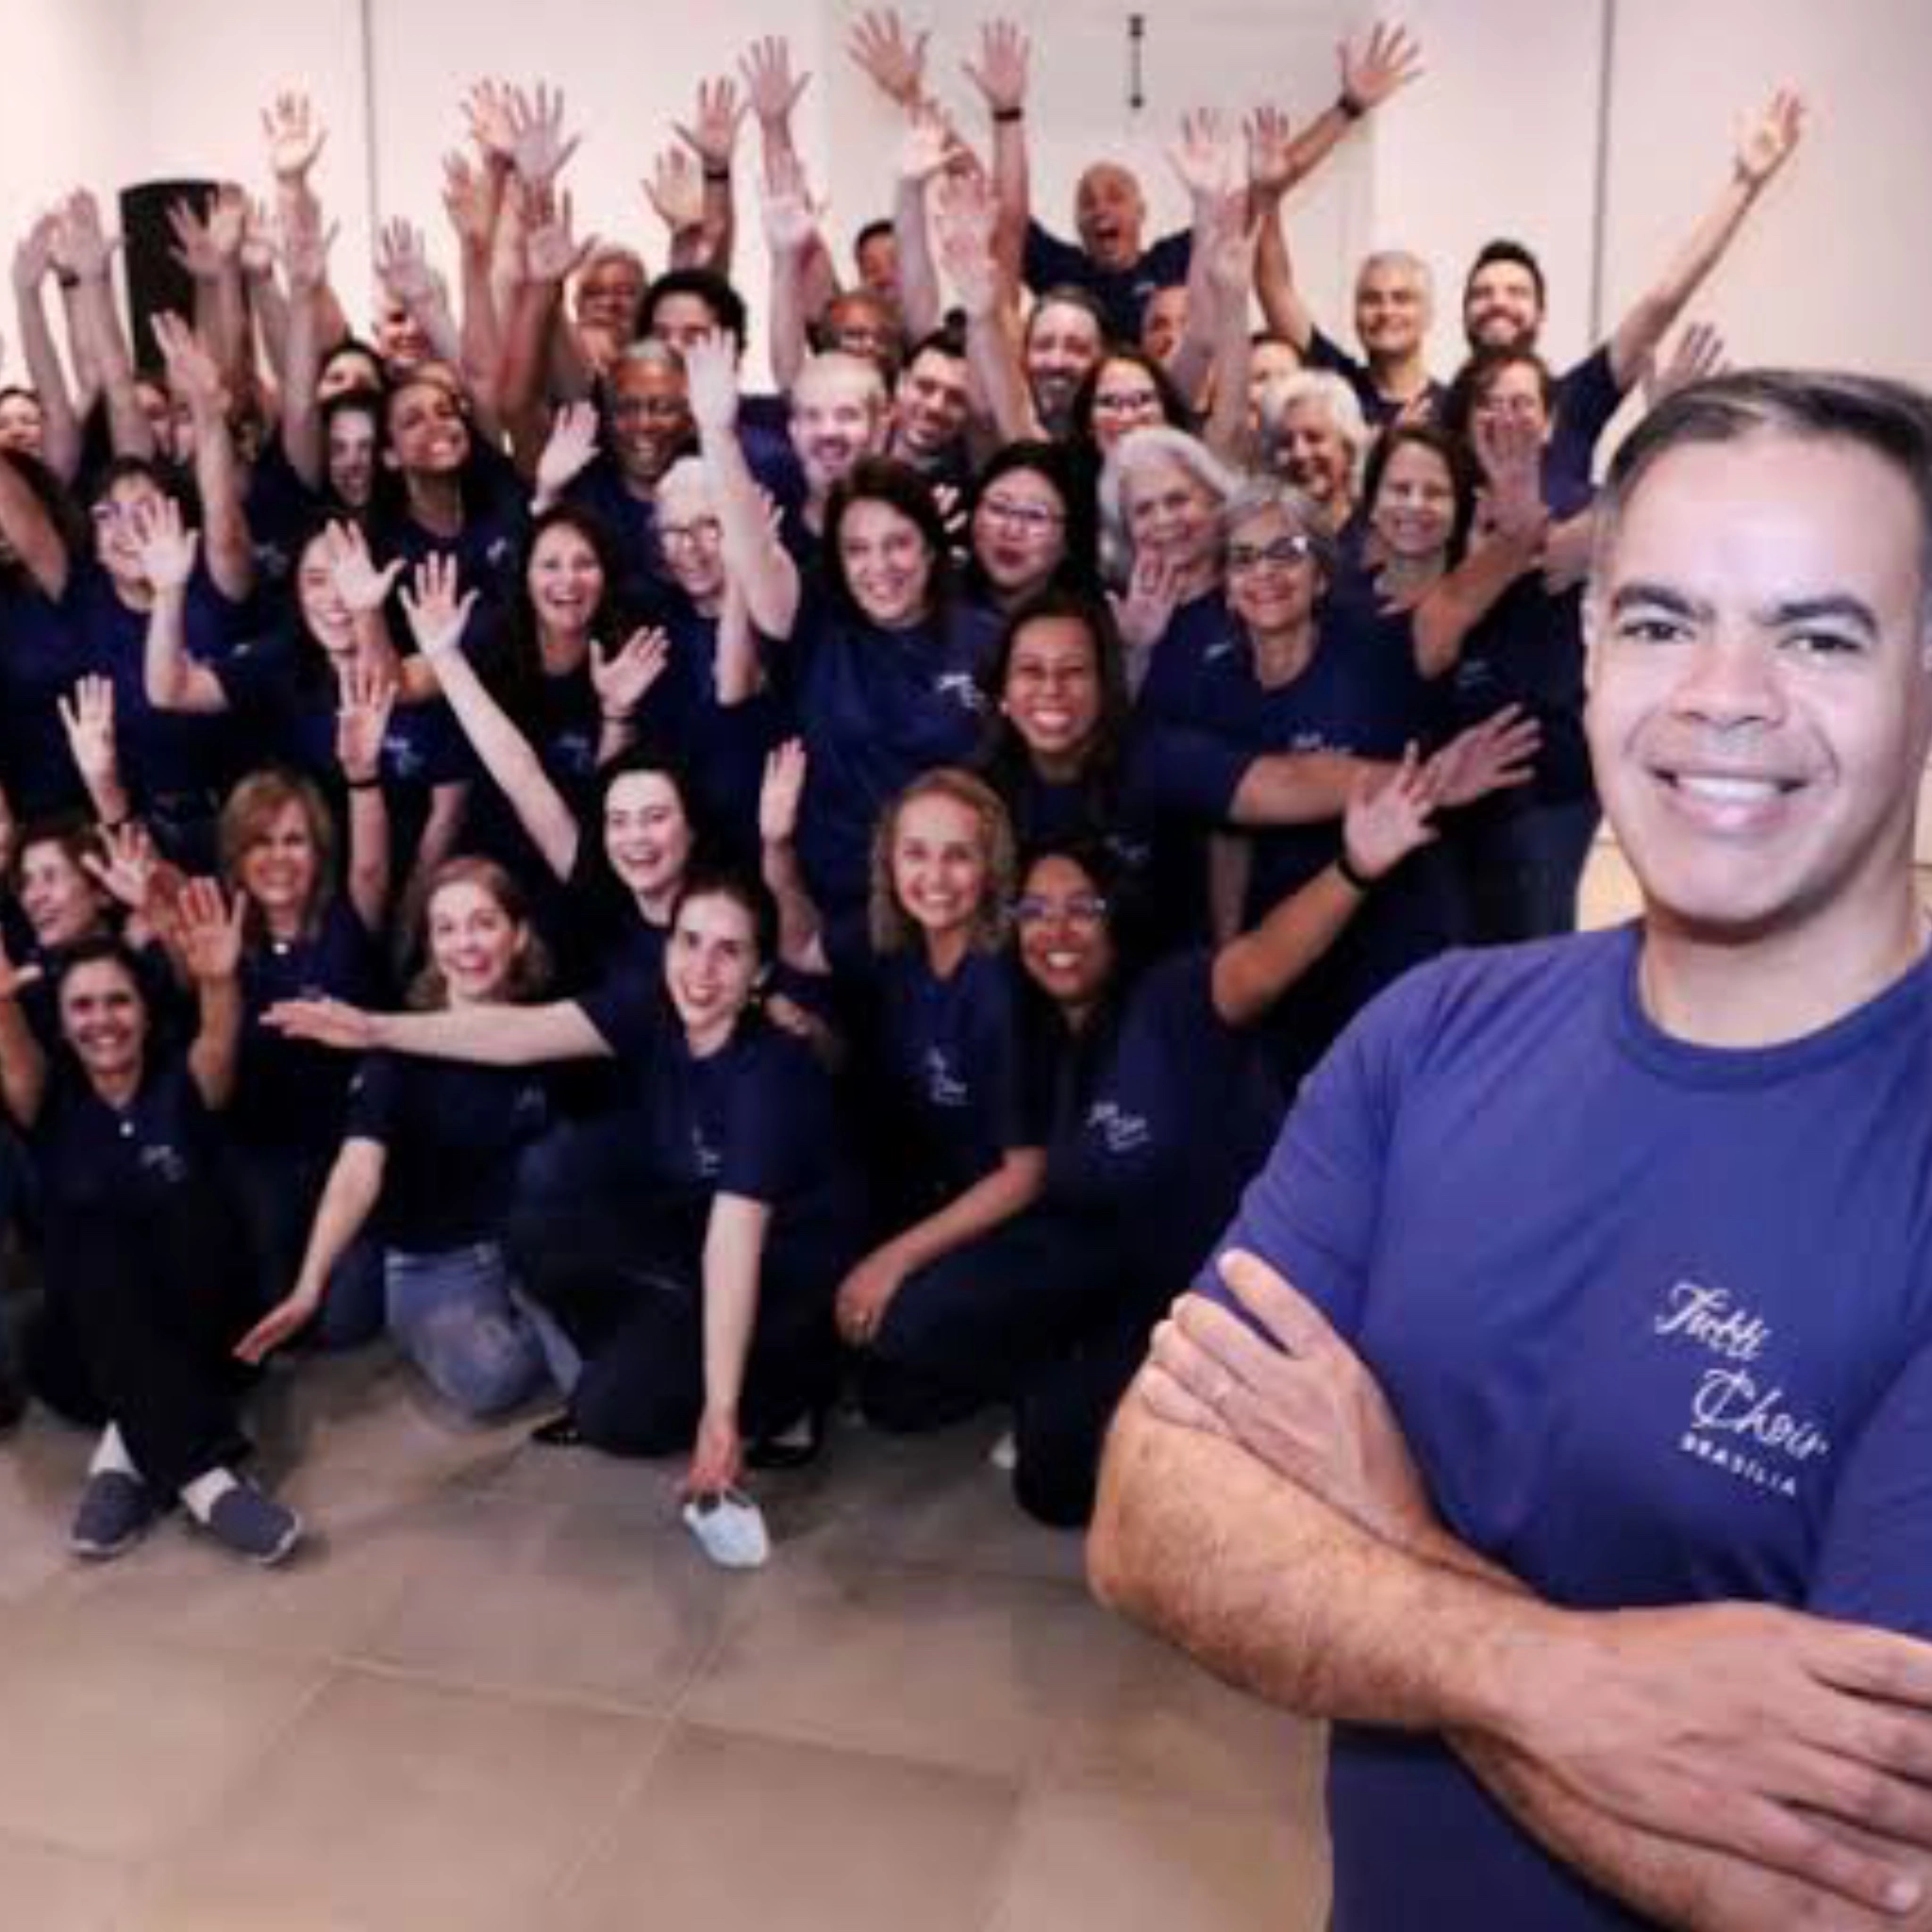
column 1654, row 1319
column 1122, row 292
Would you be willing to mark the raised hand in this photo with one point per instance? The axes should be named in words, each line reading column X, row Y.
column 365, row 696
column 537, row 147
column 358, row 583
column 81, row 245
column 1768, row 143
column 675, row 191
column 1147, row 610
column 401, row 266
column 569, row 450
column 1378, row 66
column 1000, row 73
column 126, row 868
column 896, row 62
column 1204, row 157
column 1385, row 821
column 1494, row 756
column 1510, row 453
column 33, row 255
column 780, row 792
column 929, row 145
column 227, row 223
column 487, row 116
column 1271, row 153
column 620, row 677
column 769, row 85
column 87, row 715
column 711, row 376
column 1229, row 229
column 165, row 548
column 208, row 931
column 437, row 615
column 469, row 198
column 294, row 136
column 711, row 134
column 1697, row 354
column 194, row 249
column 192, row 373
column 551, row 252
column 15, row 979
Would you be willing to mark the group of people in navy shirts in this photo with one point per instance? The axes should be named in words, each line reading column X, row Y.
column 691, row 905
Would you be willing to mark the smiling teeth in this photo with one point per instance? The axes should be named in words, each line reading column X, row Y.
column 1729, row 791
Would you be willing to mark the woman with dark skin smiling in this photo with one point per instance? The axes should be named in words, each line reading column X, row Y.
column 1137, row 1185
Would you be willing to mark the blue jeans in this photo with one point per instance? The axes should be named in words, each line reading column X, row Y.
column 458, row 1316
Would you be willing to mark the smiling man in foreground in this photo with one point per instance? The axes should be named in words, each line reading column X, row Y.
column 1585, row 1477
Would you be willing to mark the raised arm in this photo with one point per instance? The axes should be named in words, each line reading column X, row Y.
column 1204, row 161
column 924, row 152
column 1000, row 73
column 33, row 262
column 438, row 619
column 304, row 247
column 549, row 255
column 471, row 198
column 1383, row 824
column 792, row 236
column 208, row 935
column 964, row 218
column 712, row 135
column 757, row 562
column 84, row 252
column 171, row 680
column 86, row 716
column 193, row 376
column 800, row 942
column 365, row 699
column 1767, row 145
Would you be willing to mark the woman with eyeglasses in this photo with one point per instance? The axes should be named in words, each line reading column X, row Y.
column 1031, row 527
column 1163, row 1109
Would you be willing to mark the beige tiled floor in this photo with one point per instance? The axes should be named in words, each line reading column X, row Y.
column 504, row 1691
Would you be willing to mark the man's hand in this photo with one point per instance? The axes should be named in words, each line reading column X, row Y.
column 895, row 59
column 1302, row 1401
column 1000, row 73
column 1375, row 68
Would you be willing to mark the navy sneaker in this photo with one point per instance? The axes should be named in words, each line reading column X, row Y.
column 116, row 1511
column 253, row 1525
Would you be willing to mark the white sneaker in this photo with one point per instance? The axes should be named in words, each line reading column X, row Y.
column 730, row 1529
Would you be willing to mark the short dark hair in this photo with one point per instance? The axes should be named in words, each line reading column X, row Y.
column 713, row 879
column 726, row 304
column 1174, row 406
column 1892, row 420
column 1070, row 295
column 1502, row 248
column 881, row 224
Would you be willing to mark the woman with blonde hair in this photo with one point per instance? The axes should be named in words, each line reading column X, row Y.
column 955, row 1103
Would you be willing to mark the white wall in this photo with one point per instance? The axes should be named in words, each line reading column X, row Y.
column 1501, row 136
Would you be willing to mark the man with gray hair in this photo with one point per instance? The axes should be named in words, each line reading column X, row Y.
column 1557, row 1417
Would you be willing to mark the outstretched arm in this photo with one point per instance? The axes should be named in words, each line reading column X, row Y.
column 1000, row 73
column 33, row 262
column 1768, row 144
column 193, row 375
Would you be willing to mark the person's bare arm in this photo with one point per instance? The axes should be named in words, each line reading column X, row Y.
column 1768, row 144
column 23, row 1065
column 192, row 375
column 84, row 252
column 712, row 135
column 923, row 154
column 792, row 232
column 470, row 198
column 964, row 218
column 33, row 264
column 1000, row 73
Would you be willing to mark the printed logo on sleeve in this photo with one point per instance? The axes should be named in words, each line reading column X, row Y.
column 1742, row 1420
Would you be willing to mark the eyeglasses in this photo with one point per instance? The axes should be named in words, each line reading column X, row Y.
column 1034, row 518
column 699, row 532
column 1125, row 402
column 1082, row 908
column 1283, row 554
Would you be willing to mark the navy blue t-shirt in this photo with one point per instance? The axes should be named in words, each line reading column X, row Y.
column 877, row 708
column 1325, row 353
column 1123, row 294
column 1201, row 631
column 40, row 661
column 1158, row 1139
column 453, row 1134
column 1653, row 1337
